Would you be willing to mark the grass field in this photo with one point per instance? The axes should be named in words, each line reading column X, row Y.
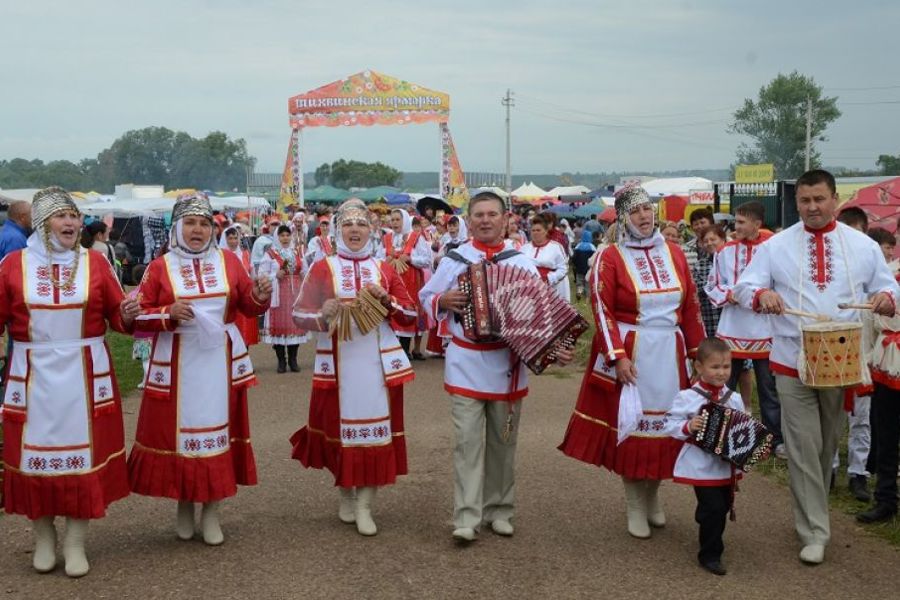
column 128, row 370
column 773, row 468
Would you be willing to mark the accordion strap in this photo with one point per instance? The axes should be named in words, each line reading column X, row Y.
column 508, row 253
column 709, row 397
column 454, row 255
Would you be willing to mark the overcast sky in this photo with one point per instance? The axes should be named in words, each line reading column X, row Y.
column 76, row 75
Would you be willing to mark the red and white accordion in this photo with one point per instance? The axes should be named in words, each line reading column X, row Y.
column 510, row 304
column 733, row 435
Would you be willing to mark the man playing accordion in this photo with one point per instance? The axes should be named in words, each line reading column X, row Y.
column 485, row 380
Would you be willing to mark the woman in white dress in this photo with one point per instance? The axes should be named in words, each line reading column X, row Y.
column 548, row 256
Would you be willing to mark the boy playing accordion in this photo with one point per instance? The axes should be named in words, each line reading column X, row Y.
column 713, row 477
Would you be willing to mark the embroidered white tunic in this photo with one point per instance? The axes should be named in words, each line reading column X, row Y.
column 747, row 333
column 480, row 371
column 693, row 465
column 552, row 263
column 813, row 271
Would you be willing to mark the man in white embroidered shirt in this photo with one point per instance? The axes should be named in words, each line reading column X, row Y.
column 485, row 389
column 813, row 266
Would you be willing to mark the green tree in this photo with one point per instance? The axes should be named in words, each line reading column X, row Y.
column 889, row 165
column 353, row 173
column 776, row 121
column 323, row 174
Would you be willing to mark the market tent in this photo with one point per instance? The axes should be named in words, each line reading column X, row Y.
column 326, row 193
column 881, row 202
column 676, row 186
column 527, row 192
column 129, row 208
column 493, row 189
column 239, row 203
column 26, row 194
column 375, row 193
column 568, row 190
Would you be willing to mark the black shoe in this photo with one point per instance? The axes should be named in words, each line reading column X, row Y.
column 417, row 356
column 282, row 359
column 833, row 480
column 714, row 566
column 859, row 488
column 292, row 358
column 877, row 514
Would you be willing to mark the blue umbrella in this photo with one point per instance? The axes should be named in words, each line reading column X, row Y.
column 398, row 199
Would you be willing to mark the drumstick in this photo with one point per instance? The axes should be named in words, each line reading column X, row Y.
column 846, row 305
column 803, row 313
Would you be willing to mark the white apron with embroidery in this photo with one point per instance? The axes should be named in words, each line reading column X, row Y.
column 363, row 363
column 205, row 370
column 658, row 341
column 48, row 376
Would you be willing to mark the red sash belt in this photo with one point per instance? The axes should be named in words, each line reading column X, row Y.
column 482, row 346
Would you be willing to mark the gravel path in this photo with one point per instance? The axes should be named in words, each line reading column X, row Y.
column 283, row 538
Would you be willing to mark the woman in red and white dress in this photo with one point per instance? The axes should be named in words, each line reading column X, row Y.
column 549, row 257
column 231, row 240
column 322, row 244
column 355, row 427
column 457, row 234
column 648, row 324
column 283, row 265
column 62, row 413
column 403, row 245
column 193, row 434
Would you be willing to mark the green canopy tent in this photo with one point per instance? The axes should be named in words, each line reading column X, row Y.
column 326, row 193
column 375, row 193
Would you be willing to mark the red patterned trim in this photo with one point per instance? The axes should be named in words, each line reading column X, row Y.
column 885, row 379
column 783, row 369
column 476, row 395
column 705, row 482
column 480, row 346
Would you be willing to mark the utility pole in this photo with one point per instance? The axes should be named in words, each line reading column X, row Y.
column 808, row 132
column 507, row 101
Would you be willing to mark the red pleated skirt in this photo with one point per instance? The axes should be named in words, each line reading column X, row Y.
column 318, row 445
column 155, row 469
column 591, row 436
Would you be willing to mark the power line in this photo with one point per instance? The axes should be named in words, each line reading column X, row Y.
column 862, row 89
column 871, row 102
column 623, row 116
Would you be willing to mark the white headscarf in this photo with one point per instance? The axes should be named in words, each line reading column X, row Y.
column 407, row 221
column 223, row 239
column 187, row 205
column 463, row 233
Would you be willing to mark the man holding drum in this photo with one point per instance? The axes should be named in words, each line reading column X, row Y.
column 811, row 268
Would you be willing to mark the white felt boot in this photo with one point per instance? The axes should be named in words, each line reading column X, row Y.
column 636, row 508
column 44, row 559
column 209, row 524
column 184, row 520
column 655, row 514
column 347, row 508
column 73, row 548
column 364, row 523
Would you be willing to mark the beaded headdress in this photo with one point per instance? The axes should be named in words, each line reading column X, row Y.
column 192, row 204
column 353, row 208
column 49, row 201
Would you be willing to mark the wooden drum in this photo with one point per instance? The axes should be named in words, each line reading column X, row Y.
column 831, row 354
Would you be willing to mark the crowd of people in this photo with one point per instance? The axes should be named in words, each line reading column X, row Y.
column 677, row 325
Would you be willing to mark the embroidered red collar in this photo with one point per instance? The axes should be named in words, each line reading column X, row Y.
column 827, row 229
column 489, row 251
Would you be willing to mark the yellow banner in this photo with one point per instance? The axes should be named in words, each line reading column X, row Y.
column 763, row 173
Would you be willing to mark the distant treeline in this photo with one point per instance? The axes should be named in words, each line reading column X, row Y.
column 153, row 155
